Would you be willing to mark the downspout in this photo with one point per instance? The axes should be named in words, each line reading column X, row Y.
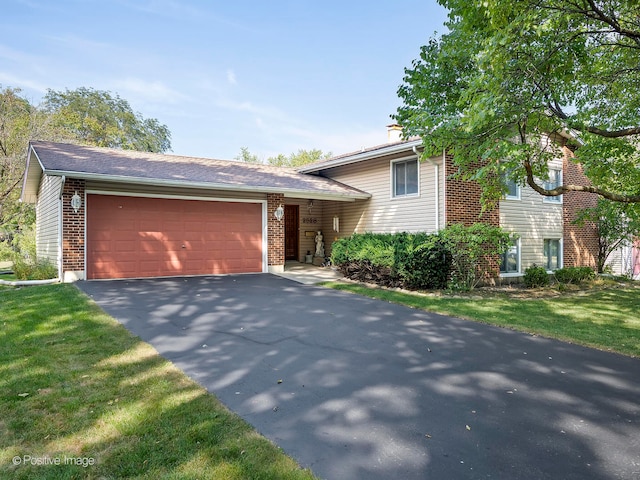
column 60, row 231
column 437, row 175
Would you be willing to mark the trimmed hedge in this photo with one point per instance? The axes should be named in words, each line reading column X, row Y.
column 536, row 276
column 574, row 275
column 408, row 260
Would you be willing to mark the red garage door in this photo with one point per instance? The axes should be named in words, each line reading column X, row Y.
column 130, row 237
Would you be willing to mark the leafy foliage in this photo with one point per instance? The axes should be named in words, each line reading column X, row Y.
column 19, row 122
column 511, row 79
column 574, row 275
column 536, row 276
column 414, row 261
column 297, row 159
column 472, row 249
column 458, row 257
column 246, row 156
column 300, row 158
column 616, row 225
column 84, row 115
column 103, row 119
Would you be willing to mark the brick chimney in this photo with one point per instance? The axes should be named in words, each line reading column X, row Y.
column 394, row 133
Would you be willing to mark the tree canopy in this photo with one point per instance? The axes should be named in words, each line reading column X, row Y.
column 511, row 75
column 103, row 119
column 84, row 115
column 297, row 159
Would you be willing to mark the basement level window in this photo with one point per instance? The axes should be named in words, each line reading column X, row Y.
column 404, row 177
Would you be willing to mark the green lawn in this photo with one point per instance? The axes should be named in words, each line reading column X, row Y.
column 76, row 387
column 606, row 317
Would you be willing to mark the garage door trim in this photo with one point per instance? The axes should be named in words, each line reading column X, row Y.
column 262, row 202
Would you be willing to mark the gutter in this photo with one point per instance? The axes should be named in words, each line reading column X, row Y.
column 437, row 168
column 288, row 192
column 359, row 157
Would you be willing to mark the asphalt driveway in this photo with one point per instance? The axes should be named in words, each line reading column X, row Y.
column 356, row 388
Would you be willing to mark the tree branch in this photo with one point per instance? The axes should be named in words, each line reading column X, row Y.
column 625, row 132
column 616, row 197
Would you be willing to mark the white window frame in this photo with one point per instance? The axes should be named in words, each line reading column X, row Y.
column 560, row 254
column 549, row 185
column 393, row 177
column 516, row 244
column 509, row 181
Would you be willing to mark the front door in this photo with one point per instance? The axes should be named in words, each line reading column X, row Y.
column 291, row 231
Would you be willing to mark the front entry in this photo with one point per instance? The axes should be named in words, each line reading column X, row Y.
column 291, row 231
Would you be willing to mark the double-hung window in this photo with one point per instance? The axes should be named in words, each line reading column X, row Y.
column 405, row 178
column 513, row 189
column 552, row 254
column 555, row 180
column 510, row 260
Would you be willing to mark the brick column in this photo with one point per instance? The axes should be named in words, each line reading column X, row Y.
column 580, row 244
column 463, row 205
column 275, row 234
column 73, row 230
column 462, row 200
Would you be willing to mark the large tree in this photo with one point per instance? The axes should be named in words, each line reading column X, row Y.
column 84, row 115
column 511, row 74
column 19, row 122
column 100, row 118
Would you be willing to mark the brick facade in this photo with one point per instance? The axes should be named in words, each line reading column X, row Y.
column 580, row 243
column 462, row 200
column 275, row 231
column 463, row 205
column 73, row 227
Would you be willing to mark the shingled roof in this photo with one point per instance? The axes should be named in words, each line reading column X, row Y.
column 128, row 166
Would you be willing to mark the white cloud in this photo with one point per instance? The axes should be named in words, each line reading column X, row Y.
column 231, row 77
column 8, row 80
column 153, row 91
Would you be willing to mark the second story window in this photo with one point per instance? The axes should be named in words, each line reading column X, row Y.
column 555, row 180
column 513, row 189
column 405, row 177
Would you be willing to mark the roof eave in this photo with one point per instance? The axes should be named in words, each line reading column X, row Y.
column 30, row 185
column 362, row 156
column 288, row 192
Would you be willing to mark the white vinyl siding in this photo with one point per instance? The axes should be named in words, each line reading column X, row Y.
column 532, row 219
column 48, row 215
column 382, row 213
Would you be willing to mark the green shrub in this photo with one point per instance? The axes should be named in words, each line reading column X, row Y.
column 536, row 276
column 472, row 249
column 410, row 260
column 423, row 261
column 21, row 251
column 574, row 275
column 40, row 270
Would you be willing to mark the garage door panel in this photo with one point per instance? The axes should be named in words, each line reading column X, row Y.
column 144, row 237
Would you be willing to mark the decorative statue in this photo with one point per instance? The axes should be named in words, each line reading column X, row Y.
column 319, row 245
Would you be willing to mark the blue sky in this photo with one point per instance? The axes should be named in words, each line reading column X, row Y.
column 272, row 76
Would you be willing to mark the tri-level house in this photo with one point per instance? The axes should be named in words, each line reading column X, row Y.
column 105, row 213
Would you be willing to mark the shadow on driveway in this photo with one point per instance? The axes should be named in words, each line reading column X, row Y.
column 372, row 390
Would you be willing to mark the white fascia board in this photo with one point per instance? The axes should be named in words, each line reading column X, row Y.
column 359, row 157
column 288, row 192
column 29, row 191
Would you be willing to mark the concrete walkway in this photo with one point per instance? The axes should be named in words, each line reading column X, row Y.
column 357, row 388
column 308, row 274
